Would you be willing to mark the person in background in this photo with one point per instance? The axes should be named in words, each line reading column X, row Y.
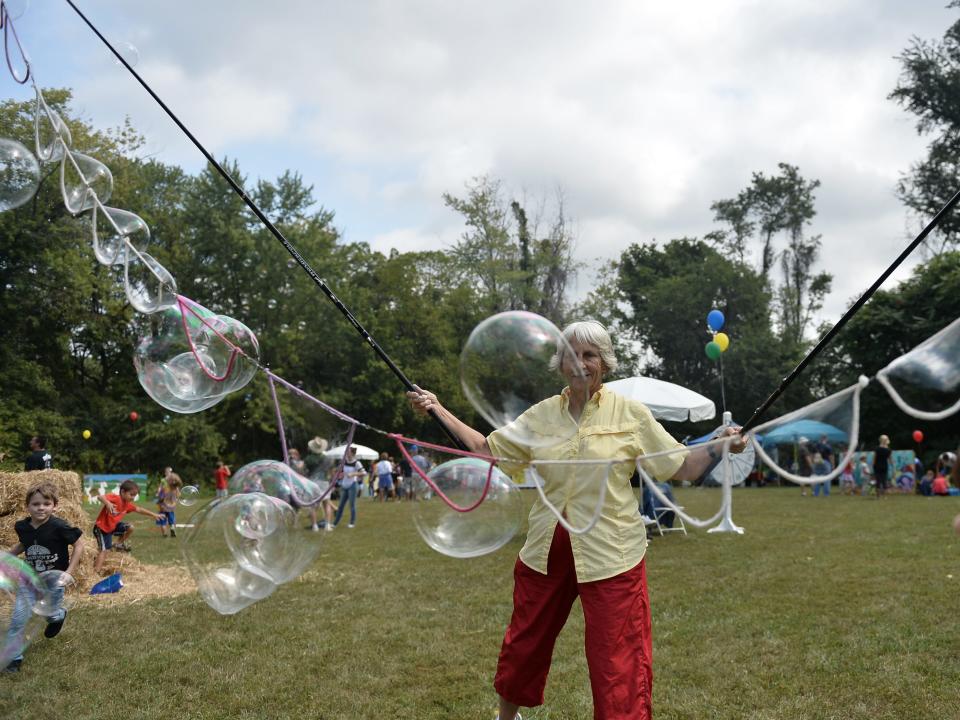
column 804, row 461
column 350, row 477
column 220, row 476
column 821, row 466
column 826, row 450
column 384, row 478
column 167, row 498
column 847, row 482
column 39, row 458
column 881, row 465
column 941, row 485
column 423, row 463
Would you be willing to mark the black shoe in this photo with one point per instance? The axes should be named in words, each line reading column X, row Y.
column 13, row 666
column 53, row 628
column 173, row 533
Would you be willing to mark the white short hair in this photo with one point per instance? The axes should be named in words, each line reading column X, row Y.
column 592, row 333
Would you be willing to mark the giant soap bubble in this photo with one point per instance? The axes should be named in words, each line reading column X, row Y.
column 505, row 370
column 193, row 358
column 242, row 547
column 486, row 516
column 58, row 593
column 278, row 480
column 19, row 174
column 149, row 285
column 20, row 591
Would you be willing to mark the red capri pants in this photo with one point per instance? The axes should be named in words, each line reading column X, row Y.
column 617, row 639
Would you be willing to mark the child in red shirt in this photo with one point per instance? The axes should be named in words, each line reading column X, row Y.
column 110, row 519
column 220, row 476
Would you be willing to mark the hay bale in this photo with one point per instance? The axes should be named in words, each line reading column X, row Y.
column 14, row 486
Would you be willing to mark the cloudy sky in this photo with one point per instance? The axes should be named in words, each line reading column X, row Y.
column 643, row 113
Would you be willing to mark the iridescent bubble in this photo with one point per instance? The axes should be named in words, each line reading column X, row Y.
column 193, row 358
column 112, row 229
column 16, row 9
column 50, row 132
column 128, row 51
column 189, row 494
column 482, row 524
column 236, row 561
column 291, row 263
column 20, row 590
column 277, row 480
column 272, row 304
column 19, row 175
column 59, row 593
column 505, row 370
column 83, row 181
column 257, row 516
column 149, row 285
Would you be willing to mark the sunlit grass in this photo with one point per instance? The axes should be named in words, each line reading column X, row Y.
column 838, row 608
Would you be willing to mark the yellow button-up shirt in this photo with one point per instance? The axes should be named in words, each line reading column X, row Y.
column 610, row 427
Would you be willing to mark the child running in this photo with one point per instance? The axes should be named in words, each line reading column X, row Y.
column 167, row 498
column 44, row 540
column 110, row 520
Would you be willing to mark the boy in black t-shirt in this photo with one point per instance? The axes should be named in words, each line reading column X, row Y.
column 44, row 540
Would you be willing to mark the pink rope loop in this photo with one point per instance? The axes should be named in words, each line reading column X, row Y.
column 400, row 440
column 186, row 306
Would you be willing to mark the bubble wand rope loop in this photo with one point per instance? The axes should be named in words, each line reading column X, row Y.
column 318, row 281
column 854, row 309
column 400, row 440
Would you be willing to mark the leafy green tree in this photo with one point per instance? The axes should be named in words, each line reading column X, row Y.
column 662, row 296
column 781, row 204
column 505, row 255
column 929, row 87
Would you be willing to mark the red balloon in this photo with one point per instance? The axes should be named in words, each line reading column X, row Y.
column 134, row 416
column 918, row 436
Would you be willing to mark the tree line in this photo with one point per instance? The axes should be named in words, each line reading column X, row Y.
column 68, row 334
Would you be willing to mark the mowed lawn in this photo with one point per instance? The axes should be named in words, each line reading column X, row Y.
column 844, row 607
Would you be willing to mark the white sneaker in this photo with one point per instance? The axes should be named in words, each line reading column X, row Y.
column 315, row 528
column 351, row 525
column 329, row 528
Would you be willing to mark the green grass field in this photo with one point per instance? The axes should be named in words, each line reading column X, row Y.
column 837, row 608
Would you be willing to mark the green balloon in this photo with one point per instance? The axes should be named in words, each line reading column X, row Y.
column 713, row 350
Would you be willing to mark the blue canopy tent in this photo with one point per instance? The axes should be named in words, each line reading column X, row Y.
column 811, row 429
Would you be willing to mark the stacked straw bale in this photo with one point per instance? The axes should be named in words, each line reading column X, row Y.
column 140, row 581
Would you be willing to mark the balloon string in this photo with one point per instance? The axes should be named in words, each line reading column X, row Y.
column 723, row 394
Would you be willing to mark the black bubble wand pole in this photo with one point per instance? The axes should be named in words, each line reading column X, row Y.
column 320, row 282
column 854, row 309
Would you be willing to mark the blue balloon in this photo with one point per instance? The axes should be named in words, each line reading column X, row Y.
column 715, row 320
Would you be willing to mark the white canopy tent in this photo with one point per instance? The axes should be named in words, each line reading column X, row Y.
column 363, row 452
column 666, row 400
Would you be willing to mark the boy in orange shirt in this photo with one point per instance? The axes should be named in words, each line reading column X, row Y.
column 110, row 519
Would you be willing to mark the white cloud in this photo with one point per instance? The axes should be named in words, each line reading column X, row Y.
column 643, row 113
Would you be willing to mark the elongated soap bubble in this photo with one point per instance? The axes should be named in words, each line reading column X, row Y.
column 83, row 181
column 925, row 382
column 50, row 132
column 505, row 370
column 112, row 229
column 492, row 504
column 19, row 175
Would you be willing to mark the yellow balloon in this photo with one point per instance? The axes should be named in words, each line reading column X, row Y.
column 722, row 340
column 87, row 434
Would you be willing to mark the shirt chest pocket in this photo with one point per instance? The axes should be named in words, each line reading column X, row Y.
column 609, row 442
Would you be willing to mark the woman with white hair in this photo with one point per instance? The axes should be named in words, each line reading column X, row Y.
column 604, row 567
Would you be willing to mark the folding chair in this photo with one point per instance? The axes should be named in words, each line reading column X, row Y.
column 658, row 513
